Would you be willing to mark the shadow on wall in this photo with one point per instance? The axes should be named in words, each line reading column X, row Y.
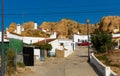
column 95, row 69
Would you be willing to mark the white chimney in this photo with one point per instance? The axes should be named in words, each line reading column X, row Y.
column 35, row 26
column 18, row 30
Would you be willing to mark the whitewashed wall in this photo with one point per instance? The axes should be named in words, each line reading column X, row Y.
column 115, row 35
column 54, row 44
column 54, row 35
column 27, row 40
column 104, row 70
column 9, row 35
column 67, row 45
column 80, row 37
column 30, row 40
column 85, row 37
column 37, row 54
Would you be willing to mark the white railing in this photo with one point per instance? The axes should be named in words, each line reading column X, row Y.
column 104, row 70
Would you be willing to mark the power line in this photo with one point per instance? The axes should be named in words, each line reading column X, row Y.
column 64, row 13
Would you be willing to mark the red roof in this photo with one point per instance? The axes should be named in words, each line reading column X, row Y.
column 84, row 44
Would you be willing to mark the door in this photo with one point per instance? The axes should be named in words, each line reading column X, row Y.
column 28, row 56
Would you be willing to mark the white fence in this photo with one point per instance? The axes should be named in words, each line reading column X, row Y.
column 106, row 71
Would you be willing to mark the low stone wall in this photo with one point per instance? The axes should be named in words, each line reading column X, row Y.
column 60, row 53
column 106, row 71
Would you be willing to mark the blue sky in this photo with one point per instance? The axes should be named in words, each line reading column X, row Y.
column 21, row 11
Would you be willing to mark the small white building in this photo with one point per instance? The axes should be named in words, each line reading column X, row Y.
column 67, row 43
column 80, row 38
column 27, row 40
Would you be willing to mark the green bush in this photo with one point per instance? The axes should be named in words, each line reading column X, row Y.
column 106, row 60
column 11, row 67
column 20, row 64
column 46, row 46
column 102, row 57
column 102, row 41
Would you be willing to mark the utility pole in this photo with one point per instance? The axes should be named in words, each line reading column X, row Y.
column 2, row 28
column 87, row 21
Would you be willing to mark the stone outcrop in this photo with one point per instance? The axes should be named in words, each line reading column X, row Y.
column 28, row 26
column 12, row 27
column 110, row 23
column 66, row 27
column 28, row 30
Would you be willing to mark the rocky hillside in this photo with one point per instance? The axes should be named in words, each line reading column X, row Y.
column 28, row 30
column 110, row 23
column 28, row 26
column 12, row 27
column 66, row 27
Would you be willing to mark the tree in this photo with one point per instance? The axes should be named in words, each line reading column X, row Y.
column 46, row 46
column 102, row 41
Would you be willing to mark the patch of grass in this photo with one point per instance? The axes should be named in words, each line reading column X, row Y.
column 104, row 58
column 107, row 61
column 115, row 65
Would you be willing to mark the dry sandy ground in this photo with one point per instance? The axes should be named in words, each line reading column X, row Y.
column 74, row 65
column 115, row 58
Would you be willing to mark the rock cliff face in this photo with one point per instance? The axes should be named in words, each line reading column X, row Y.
column 66, row 27
column 28, row 30
column 110, row 23
column 12, row 27
column 28, row 26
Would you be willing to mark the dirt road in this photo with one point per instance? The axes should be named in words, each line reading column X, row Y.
column 74, row 65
